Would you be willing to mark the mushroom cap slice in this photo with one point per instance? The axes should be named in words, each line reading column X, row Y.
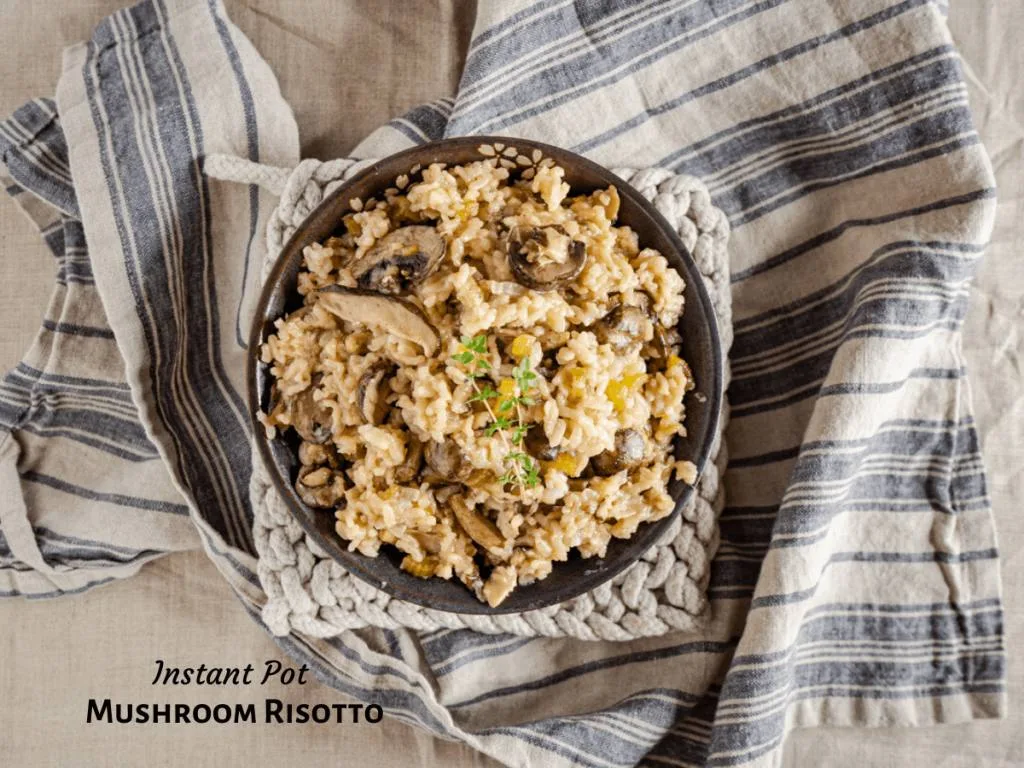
column 316, row 454
column 372, row 392
column 320, row 487
column 544, row 258
column 430, row 542
column 657, row 351
column 537, row 445
column 447, row 461
column 477, row 527
column 400, row 260
column 444, row 492
column 378, row 310
column 409, row 468
column 629, row 450
column 311, row 418
column 623, row 328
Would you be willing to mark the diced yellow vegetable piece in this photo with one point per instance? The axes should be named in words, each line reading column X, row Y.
column 521, row 346
column 424, row 569
column 507, row 387
column 577, row 390
column 632, row 379
column 564, row 462
column 618, row 389
column 616, row 394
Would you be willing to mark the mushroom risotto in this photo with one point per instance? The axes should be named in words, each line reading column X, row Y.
column 485, row 374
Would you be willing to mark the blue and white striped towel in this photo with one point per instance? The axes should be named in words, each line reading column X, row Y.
column 857, row 582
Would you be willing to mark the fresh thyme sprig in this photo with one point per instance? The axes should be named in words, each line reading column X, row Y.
column 522, row 470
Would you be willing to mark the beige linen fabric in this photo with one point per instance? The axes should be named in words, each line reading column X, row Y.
column 58, row 653
column 337, row 67
column 993, row 343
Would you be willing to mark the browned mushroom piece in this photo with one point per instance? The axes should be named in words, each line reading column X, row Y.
column 320, row 487
column 430, row 542
column 444, row 493
column 314, row 455
column 299, row 313
column 537, row 445
column 276, row 404
column 311, row 418
column 410, row 467
column 373, row 390
column 446, row 460
column 658, row 350
column 478, row 527
column 628, row 451
column 377, row 310
column 544, row 258
column 400, row 260
column 503, row 338
column 623, row 328
column 645, row 303
column 548, row 366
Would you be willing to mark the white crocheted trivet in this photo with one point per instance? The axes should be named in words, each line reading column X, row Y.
column 663, row 592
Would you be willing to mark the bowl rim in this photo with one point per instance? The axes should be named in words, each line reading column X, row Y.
column 713, row 391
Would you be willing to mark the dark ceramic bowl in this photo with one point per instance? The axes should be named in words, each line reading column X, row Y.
column 701, row 348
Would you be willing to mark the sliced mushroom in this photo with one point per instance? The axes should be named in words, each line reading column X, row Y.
column 396, row 316
column 630, row 447
column 444, row 493
column 447, row 461
column 503, row 338
column 657, row 351
column 537, row 445
column 400, row 260
column 623, row 328
column 320, row 487
column 299, row 313
column 548, row 366
column 477, row 527
column 372, row 392
column 430, row 542
column 409, row 468
column 276, row 405
column 311, row 418
column 544, row 258
column 313, row 455
column 645, row 302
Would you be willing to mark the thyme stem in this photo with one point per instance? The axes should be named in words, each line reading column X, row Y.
column 523, row 471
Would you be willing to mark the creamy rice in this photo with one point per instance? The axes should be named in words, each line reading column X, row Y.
column 603, row 410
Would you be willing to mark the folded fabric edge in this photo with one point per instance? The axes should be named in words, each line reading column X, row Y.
column 36, row 562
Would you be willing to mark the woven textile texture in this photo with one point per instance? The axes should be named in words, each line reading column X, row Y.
column 856, row 581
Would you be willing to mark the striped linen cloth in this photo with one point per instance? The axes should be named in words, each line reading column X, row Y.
column 857, row 582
